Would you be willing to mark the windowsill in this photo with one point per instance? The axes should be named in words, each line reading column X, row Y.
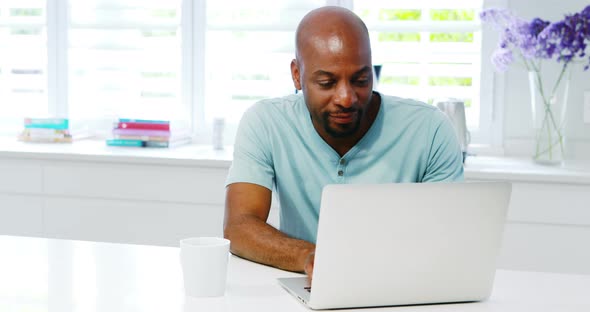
column 476, row 167
column 98, row 151
column 525, row 170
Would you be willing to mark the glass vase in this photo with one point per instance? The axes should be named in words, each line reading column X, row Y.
column 549, row 107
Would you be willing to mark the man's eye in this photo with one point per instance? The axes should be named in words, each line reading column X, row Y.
column 362, row 82
column 326, row 84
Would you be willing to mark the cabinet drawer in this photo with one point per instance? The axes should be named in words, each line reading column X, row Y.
column 152, row 223
column 137, row 182
column 21, row 215
column 550, row 203
column 20, row 176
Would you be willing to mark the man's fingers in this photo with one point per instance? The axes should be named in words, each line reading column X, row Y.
column 308, row 267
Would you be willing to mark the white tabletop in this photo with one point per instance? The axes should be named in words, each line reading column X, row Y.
column 39, row 274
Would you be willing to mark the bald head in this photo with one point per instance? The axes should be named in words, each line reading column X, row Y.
column 333, row 68
column 331, row 29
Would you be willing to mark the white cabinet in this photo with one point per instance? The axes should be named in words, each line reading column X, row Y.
column 548, row 228
column 135, row 182
column 546, row 247
column 113, row 202
column 18, row 176
column 130, row 221
column 21, row 214
column 159, row 201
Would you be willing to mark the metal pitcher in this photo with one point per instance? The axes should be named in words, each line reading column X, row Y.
column 455, row 110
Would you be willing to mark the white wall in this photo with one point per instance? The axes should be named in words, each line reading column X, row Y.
column 517, row 116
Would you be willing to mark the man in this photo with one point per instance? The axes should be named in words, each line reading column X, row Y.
column 339, row 131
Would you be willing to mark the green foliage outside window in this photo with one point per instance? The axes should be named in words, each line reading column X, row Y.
column 452, row 15
column 400, row 80
column 451, row 37
column 450, row 81
column 25, row 30
column 158, row 33
column 164, row 13
column 388, row 15
column 26, row 12
column 364, row 13
column 399, row 37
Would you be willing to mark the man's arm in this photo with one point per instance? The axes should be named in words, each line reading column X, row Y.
column 445, row 160
column 247, row 207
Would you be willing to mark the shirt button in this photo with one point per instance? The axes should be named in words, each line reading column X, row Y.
column 342, row 161
column 340, row 173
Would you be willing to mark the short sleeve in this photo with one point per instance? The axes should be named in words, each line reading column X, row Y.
column 252, row 159
column 445, row 159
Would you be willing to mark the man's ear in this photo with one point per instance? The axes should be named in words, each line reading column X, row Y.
column 296, row 74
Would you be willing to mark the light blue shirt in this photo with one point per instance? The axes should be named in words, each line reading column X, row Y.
column 278, row 147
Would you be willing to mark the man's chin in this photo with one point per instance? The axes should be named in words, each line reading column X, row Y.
column 342, row 130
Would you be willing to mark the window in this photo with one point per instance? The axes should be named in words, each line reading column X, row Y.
column 249, row 48
column 198, row 60
column 125, row 59
column 428, row 49
column 23, row 60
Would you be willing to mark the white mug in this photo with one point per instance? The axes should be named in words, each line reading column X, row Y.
column 204, row 265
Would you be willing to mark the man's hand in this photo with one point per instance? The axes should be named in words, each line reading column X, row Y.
column 308, row 266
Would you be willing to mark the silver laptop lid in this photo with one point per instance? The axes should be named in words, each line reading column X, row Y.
column 399, row 244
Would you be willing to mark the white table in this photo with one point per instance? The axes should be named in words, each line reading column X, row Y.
column 38, row 274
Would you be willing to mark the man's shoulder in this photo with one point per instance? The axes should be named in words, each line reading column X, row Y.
column 404, row 111
column 276, row 105
column 399, row 103
column 276, row 115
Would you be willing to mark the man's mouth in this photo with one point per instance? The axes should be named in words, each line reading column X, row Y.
column 343, row 118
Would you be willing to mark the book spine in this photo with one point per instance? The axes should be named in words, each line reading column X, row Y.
column 142, row 132
column 47, row 123
column 119, row 142
column 41, row 135
column 45, row 131
column 140, row 137
column 145, row 121
column 159, row 144
column 143, row 125
column 67, row 139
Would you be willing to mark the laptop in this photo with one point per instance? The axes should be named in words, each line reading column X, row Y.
column 405, row 244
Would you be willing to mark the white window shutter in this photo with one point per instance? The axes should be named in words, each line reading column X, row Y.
column 23, row 59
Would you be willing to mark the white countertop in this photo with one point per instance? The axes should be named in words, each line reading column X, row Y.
column 525, row 170
column 38, row 274
column 476, row 167
column 98, row 151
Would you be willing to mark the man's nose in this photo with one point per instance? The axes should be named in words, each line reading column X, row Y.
column 345, row 95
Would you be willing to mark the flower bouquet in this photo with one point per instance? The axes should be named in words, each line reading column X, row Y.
column 533, row 42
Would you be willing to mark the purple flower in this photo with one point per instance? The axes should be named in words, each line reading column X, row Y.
column 564, row 41
column 537, row 25
column 502, row 58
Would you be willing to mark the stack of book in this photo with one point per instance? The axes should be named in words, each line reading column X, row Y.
column 147, row 133
column 46, row 130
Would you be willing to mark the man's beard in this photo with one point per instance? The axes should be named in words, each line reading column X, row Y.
column 345, row 130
